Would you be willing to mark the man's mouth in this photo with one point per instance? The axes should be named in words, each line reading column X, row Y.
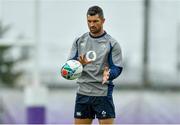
column 93, row 28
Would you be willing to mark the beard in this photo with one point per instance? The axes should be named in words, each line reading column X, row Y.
column 95, row 30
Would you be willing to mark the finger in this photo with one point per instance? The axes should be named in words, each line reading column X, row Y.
column 81, row 57
column 107, row 76
column 106, row 73
column 106, row 68
column 89, row 62
column 104, row 79
column 84, row 56
column 85, row 59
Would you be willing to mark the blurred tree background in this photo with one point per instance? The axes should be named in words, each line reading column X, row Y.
column 8, row 76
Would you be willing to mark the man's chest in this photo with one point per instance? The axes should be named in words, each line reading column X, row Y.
column 101, row 47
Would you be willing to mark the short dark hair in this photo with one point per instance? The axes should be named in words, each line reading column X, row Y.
column 95, row 10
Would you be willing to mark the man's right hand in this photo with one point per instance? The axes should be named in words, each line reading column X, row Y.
column 82, row 59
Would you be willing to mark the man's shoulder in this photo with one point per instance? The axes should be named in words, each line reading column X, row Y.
column 111, row 39
column 84, row 35
column 81, row 37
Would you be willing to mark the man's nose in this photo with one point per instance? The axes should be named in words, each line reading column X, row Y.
column 91, row 24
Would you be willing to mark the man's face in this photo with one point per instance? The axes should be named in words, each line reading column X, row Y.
column 95, row 23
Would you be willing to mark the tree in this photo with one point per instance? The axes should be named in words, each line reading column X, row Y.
column 7, row 75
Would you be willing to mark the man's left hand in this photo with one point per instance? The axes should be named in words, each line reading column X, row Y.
column 105, row 75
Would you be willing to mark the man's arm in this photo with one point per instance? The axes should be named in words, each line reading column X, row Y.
column 74, row 50
column 115, row 63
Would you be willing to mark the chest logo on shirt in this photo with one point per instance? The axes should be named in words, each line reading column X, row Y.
column 103, row 46
column 91, row 56
column 83, row 44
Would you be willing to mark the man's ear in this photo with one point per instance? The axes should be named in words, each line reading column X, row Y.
column 103, row 20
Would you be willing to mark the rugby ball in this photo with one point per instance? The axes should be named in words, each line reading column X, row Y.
column 71, row 70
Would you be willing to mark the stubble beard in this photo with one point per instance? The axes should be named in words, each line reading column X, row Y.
column 95, row 31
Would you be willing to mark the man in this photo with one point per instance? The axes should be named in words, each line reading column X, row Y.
column 95, row 87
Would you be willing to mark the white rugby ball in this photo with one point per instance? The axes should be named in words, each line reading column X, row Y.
column 71, row 70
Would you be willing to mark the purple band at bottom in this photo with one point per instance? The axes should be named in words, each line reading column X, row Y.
column 36, row 115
